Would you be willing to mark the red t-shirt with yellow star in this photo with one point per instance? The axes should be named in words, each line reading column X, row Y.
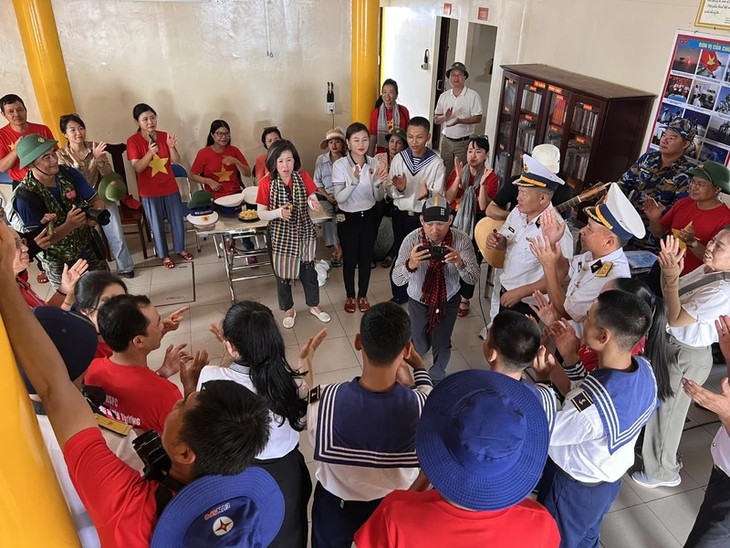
column 209, row 163
column 8, row 138
column 157, row 178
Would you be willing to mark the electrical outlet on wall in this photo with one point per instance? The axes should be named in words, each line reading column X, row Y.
column 330, row 107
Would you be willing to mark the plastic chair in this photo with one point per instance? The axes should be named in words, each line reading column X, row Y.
column 129, row 216
column 187, row 187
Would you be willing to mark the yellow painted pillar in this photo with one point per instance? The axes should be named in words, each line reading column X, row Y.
column 365, row 71
column 33, row 511
column 43, row 53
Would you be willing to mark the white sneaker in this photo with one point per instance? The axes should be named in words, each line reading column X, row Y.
column 650, row 483
column 322, row 316
column 289, row 320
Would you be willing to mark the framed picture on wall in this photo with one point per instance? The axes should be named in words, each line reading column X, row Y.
column 714, row 14
column 697, row 88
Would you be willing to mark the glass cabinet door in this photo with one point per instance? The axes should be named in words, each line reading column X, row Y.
column 585, row 119
column 531, row 101
column 504, row 128
column 557, row 111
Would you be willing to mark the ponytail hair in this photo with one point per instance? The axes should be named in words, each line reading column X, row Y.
column 656, row 349
column 251, row 328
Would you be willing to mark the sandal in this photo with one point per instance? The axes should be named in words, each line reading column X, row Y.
column 463, row 309
column 186, row 255
column 167, row 263
column 41, row 278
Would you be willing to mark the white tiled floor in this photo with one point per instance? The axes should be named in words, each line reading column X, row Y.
column 640, row 517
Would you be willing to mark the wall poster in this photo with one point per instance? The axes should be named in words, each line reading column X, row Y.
column 697, row 87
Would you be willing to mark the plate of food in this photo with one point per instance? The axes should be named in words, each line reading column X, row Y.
column 248, row 216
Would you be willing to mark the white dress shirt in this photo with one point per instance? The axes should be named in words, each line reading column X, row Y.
column 705, row 304
column 355, row 194
column 282, row 437
column 521, row 267
column 720, row 450
column 587, row 280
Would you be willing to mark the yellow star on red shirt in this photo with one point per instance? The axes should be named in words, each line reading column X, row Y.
column 158, row 165
column 223, row 175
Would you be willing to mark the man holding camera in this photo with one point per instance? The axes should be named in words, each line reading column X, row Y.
column 434, row 260
column 62, row 200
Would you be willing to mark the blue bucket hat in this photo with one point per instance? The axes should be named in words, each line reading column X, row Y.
column 73, row 336
column 482, row 440
column 242, row 510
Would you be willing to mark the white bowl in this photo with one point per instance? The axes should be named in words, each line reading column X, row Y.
column 232, row 200
column 249, row 194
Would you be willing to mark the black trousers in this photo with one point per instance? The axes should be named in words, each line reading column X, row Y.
column 403, row 225
column 520, row 307
column 335, row 521
column 712, row 525
column 292, row 475
column 310, row 284
column 357, row 238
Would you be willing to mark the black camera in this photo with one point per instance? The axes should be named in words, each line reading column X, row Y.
column 150, row 451
column 100, row 216
column 438, row 252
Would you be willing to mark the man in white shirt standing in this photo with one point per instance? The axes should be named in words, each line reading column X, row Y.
column 458, row 110
column 693, row 302
column 523, row 274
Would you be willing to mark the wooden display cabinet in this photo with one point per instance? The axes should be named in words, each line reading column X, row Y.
column 598, row 126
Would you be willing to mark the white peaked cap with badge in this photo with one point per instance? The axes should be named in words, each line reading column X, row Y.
column 535, row 174
column 618, row 215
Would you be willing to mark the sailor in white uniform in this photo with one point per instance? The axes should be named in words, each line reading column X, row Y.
column 610, row 226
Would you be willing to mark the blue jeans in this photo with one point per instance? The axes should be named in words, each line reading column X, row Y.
column 115, row 236
column 159, row 208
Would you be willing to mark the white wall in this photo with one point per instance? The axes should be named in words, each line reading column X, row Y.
column 14, row 76
column 480, row 52
column 195, row 62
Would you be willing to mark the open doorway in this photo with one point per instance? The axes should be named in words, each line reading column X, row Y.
column 445, row 56
column 480, row 45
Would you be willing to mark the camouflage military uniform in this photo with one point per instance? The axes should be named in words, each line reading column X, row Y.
column 648, row 179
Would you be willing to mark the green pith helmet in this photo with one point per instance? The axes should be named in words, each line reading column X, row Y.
column 31, row 147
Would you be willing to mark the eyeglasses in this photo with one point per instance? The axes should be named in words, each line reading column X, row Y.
column 474, row 137
column 222, row 133
column 21, row 243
